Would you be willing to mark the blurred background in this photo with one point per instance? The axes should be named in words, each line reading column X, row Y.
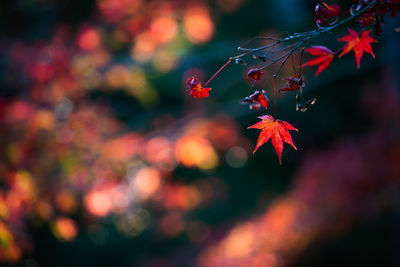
column 106, row 161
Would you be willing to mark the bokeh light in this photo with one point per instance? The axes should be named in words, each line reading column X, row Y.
column 65, row 229
column 198, row 25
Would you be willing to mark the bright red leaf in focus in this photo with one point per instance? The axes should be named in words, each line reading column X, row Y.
column 276, row 130
column 360, row 43
column 324, row 57
column 195, row 89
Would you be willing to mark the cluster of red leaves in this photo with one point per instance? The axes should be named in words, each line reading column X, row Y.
column 374, row 16
column 358, row 42
column 195, row 89
column 326, row 17
column 271, row 128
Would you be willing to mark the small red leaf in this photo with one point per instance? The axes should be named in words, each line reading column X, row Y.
column 277, row 131
column 195, row 89
column 199, row 91
column 324, row 57
column 359, row 43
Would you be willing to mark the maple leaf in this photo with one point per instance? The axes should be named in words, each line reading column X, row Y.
column 324, row 57
column 195, row 89
column 198, row 91
column 360, row 43
column 256, row 100
column 276, row 130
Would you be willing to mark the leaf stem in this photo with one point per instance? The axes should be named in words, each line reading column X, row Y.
column 301, row 58
column 274, row 97
column 215, row 74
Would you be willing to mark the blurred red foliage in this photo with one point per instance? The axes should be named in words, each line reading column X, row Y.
column 63, row 156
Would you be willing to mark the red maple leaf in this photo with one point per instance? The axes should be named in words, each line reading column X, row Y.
column 324, row 57
column 360, row 43
column 198, row 91
column 276, row 130
column 195, row 89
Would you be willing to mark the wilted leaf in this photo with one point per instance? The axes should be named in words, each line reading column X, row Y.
column 256, row 100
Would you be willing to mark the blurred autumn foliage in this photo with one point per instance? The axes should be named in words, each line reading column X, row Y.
column 67, row 161
column 105, row 160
